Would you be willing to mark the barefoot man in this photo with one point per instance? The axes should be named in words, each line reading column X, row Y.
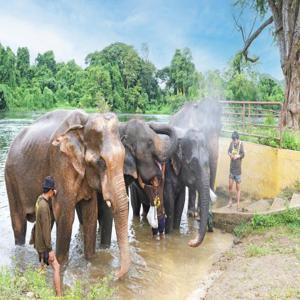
column 236, row 154
column 42, row 241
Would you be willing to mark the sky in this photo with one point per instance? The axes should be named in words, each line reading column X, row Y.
column 72, row 29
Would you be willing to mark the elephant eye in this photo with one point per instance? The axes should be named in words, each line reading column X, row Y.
column 101, row 163
column 150, row 142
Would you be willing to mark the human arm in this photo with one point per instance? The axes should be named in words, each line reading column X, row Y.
column 230, row 151
column 242, row 152
column 141, row 183
column 45, row 217
column 163, row 170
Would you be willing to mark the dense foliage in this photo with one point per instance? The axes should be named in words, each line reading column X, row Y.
column 118, row 78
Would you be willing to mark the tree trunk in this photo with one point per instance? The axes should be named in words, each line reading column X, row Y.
column 292, row 91
column 286, row 17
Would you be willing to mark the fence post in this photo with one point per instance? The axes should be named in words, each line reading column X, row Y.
column 280, row 126
column 244, row 116
column 249, row 113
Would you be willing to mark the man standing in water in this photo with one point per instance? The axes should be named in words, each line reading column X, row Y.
column 42, row 241
column 236, row 154
column 155, row 195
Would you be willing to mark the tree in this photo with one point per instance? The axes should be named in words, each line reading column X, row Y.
column 23, row 64
column 285, row 17
column 7, row 66
column 182, row 75
column 46, row 59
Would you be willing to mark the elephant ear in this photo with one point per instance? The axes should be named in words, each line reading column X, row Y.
column 71, row 143
column 177, row 159
column 129, row 164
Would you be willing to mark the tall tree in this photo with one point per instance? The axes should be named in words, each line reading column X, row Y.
column 22, row 64
column 46, row 59
column 182, row 72
column 285, row 17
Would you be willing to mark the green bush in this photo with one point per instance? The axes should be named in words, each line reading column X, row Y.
column 290, row 218
column 290, row 141
column 31, row 284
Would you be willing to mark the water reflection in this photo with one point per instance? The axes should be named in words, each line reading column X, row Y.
column 167, row 269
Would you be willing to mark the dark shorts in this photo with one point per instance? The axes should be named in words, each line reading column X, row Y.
column 161, row 225
column 236, row 178
column 44, row 257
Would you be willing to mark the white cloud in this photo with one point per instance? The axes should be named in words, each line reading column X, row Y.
column 205, row 60
column 15, row 32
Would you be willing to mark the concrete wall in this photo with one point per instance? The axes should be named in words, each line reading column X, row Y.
column 265, row 170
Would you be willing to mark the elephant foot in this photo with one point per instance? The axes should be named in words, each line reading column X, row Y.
column 62, row 259
column 210, row 229
column 89, row 255
column 20, row 241
column 192, row 214
column 195, row 242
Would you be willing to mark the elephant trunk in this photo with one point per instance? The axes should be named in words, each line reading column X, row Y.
column 164, row 150
column 204, row 192
column 121, row 223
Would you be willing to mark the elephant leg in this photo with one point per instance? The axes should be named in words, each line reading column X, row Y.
column 105, row 219
column 79, row 213
column 89, row 217
column 19, row 224
column 213, row 147
column 18, row 218
column 169, row 207
column 64, row 223
column 146, row 208
column 179, row 205
column 210, row 223
column 135, row 201
column 192, row 203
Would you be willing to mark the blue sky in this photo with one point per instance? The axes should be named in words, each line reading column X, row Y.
column 72, row 29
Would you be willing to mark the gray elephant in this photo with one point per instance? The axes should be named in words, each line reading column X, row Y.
column 84, row 155
column 144, row 146
column 193, row 164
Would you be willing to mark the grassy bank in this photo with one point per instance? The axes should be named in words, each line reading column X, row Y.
column 289, row 220
column 31, row 284
column 263, row 262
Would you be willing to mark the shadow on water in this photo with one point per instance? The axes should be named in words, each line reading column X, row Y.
column 167, row 269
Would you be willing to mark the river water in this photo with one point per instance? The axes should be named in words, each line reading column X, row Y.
column 167, row 269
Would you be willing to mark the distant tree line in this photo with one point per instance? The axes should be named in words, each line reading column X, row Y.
column 119, row 79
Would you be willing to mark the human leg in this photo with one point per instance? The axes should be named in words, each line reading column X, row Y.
column 230, row 188
column 56, row 275
column 238, row 192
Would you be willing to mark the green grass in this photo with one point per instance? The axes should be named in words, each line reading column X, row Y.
column 254, row 250
column 259, row 223
column 31, row 284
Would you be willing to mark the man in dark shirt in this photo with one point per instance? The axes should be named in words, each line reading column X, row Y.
column 236, row 154
column 42, row 232
column 155, row 194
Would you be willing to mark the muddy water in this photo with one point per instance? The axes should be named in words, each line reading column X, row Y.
column 167, row 269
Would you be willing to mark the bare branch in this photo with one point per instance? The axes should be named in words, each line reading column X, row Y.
column 251, row 38
column 239, row 28
column 253, row 24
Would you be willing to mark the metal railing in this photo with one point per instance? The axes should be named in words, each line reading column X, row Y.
column 257, row 119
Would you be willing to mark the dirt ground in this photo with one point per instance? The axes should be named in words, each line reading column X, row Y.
column 262, row 266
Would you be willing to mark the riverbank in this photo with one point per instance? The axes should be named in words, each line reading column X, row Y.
column 264, row 264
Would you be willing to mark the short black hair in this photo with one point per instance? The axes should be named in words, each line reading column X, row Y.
column 46, row 190
column 235, row 135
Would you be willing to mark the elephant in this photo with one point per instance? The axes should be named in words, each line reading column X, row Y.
column 205, row 116
column 84, row 154
column 194, row 163
column 188, row 166
column 144, row 146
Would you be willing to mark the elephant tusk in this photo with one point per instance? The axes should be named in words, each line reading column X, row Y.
column 108, row 203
